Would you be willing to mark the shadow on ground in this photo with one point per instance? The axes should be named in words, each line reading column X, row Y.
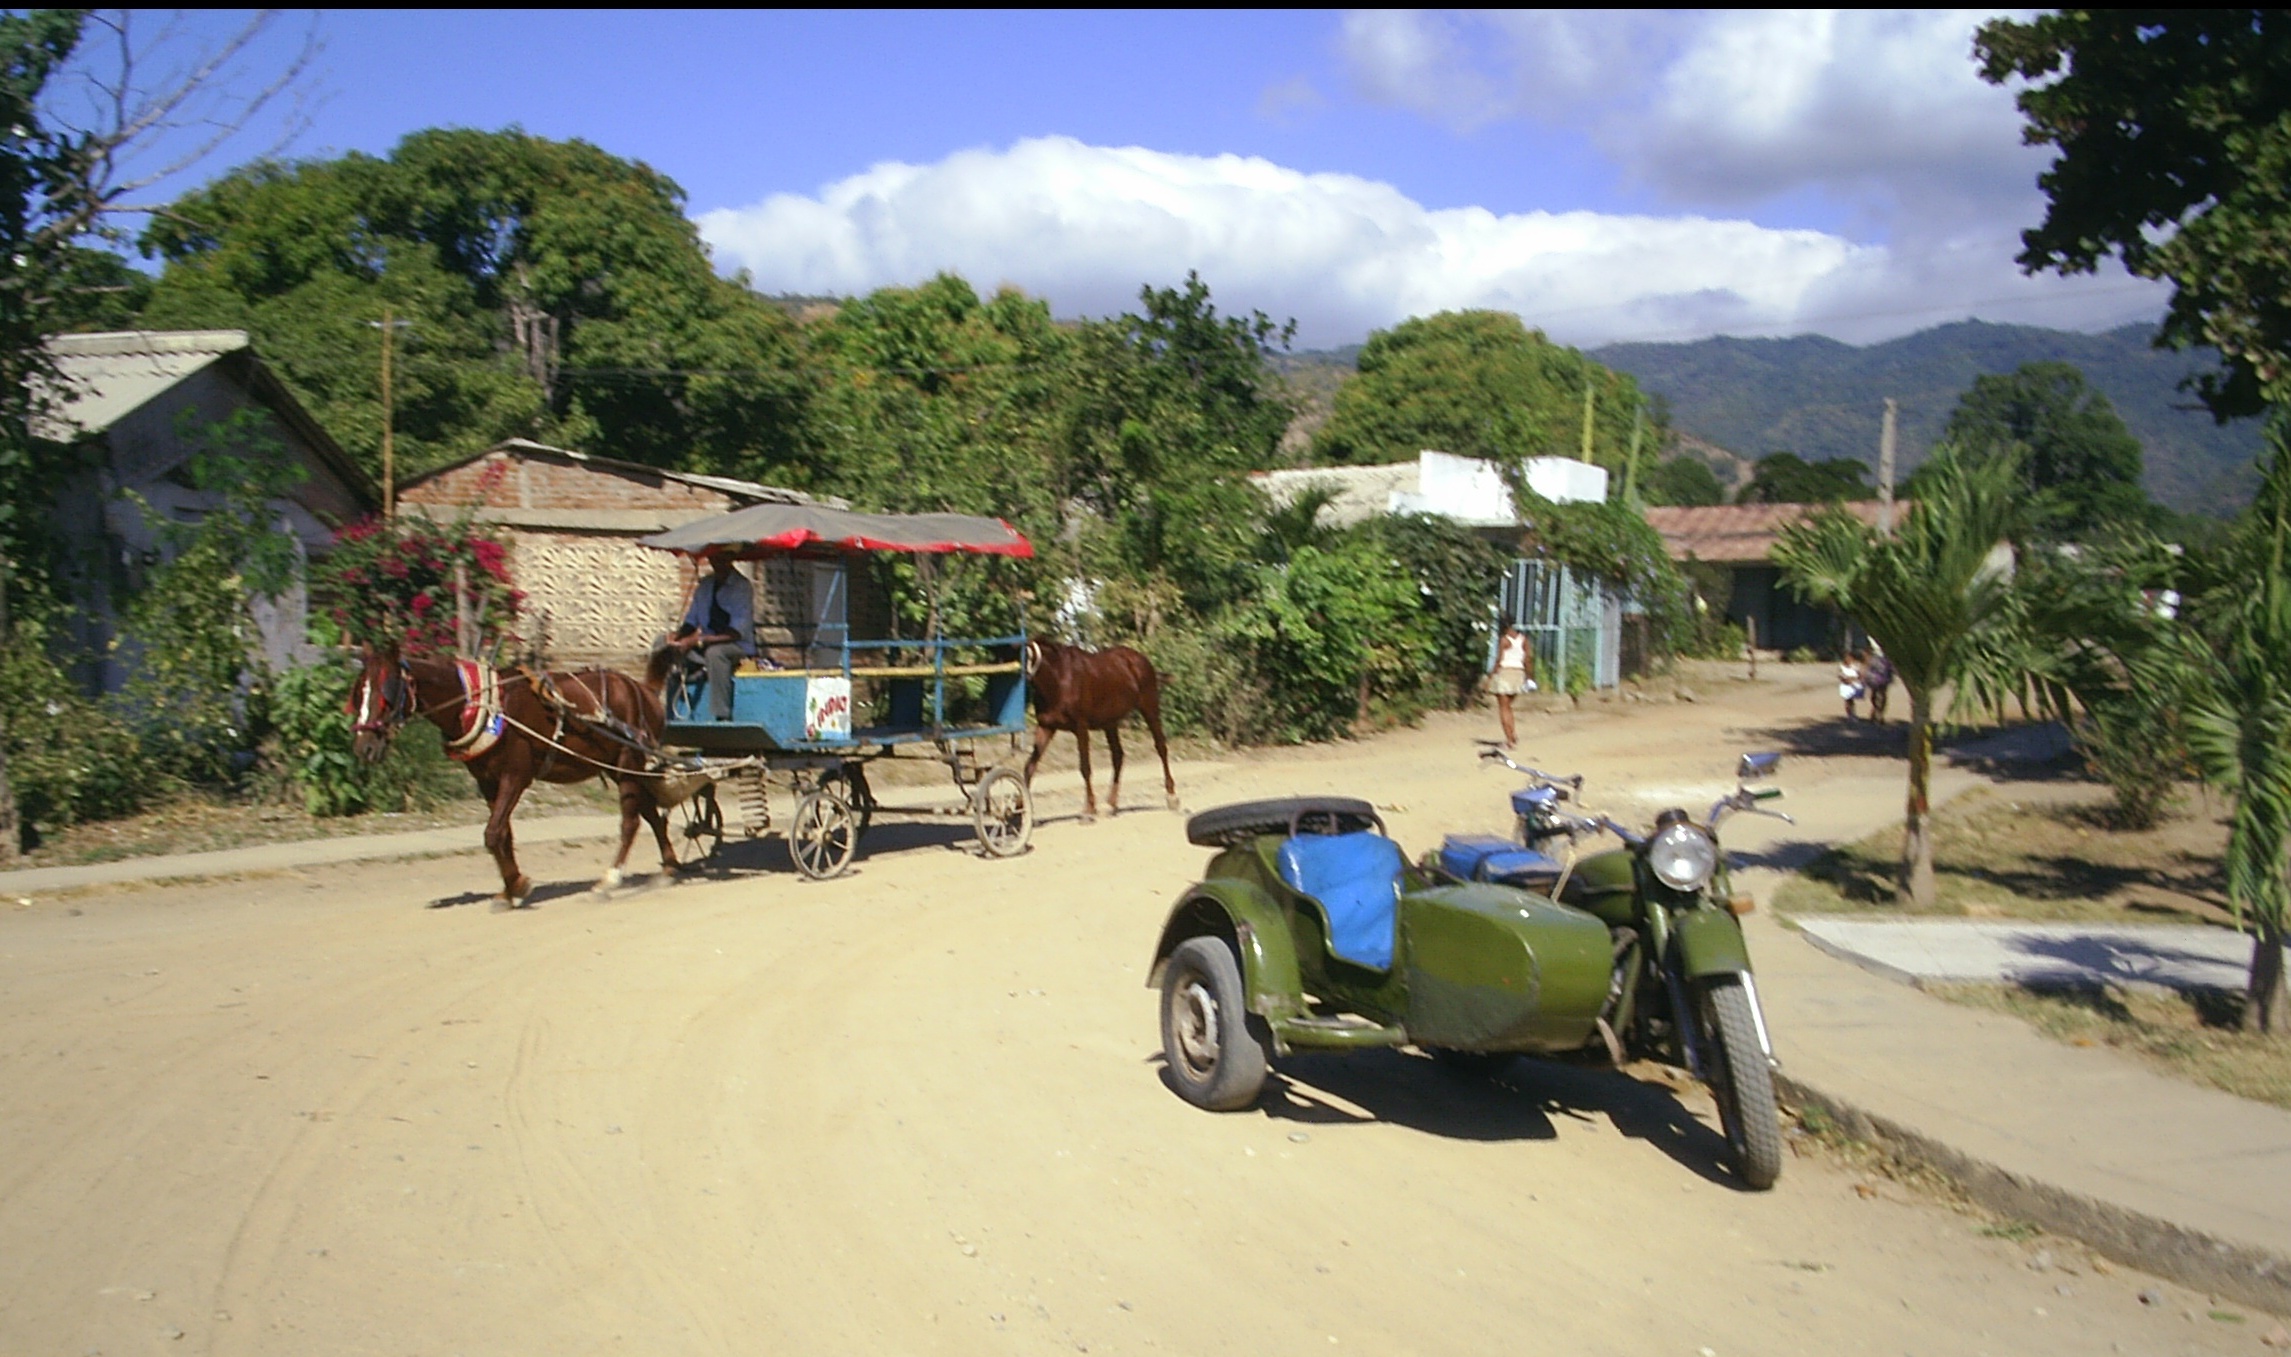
column 1523, row 1099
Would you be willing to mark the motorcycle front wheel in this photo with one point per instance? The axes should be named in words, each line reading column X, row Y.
column 1744, row 1083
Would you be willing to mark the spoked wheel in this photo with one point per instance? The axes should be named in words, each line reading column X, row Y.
column 1215, row 1057
column 1003, row 813
column 700, row 824
column 1744, row 1083
column 850, row 782
column 824, row 834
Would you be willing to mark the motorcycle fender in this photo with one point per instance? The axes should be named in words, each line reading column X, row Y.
column 1252, row 922
column 1710, row 942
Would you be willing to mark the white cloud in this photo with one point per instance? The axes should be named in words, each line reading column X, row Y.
column 1882, row 109
column 1086, row 225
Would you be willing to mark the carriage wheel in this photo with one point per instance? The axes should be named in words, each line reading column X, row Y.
column 1003, row 813
column 700, row 823
column 823, row 835
column 849, row 781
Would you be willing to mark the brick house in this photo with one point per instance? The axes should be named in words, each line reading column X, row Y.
column 572, row 520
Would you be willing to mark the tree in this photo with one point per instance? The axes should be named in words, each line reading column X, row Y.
column 1476, row 384
column 2235, row 663
column 553, row 291
column 1170, row 408
column 2079, row 464
column 1686, row 480
column 72, row 119
column 1921, row 593
column 2173, row 130
column 1786, row 478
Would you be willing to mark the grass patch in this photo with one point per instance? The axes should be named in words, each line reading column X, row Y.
column 2032, row 853
column 2191, row 1036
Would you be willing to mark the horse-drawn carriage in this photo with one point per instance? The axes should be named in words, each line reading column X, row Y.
column 814, row 726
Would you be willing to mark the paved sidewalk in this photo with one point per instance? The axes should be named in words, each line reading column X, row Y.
column 2182, row 957
column 273, row 857
column 2162, row 1174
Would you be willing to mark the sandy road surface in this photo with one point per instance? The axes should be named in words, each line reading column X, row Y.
column 915, row 1110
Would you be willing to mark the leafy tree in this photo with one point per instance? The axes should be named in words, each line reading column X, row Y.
column 552, row 290
column 1476, row 384
column 1170, row 407
column 2173, row 130
column 1921, row 593
column 1786, row 478
column 2079, row 464
column 1682, row 480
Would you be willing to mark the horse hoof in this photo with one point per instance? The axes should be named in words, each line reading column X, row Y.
column 1172, row 802
column 1089, row 817
column 610, row 881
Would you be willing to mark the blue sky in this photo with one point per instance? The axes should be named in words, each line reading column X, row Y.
column 1608, row 176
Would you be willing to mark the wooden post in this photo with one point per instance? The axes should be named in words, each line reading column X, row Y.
column 1885, row 449
column 1750, row 629
column 464, row 642
column 1631, row 461
column 389, row 471
column 1590, row 403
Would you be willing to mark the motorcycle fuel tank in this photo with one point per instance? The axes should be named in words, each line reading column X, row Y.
column 1605, row 885
column 1495, row 969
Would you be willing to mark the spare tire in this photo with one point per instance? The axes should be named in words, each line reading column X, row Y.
column 1223, row 826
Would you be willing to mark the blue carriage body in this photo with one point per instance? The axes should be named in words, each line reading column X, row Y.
column 812, row 711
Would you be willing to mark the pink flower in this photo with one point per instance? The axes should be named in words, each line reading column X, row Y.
column 422, row 603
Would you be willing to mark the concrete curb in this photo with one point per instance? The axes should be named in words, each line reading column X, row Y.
column 2255, row 1276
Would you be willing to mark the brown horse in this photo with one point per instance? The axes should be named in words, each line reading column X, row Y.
column 514, row 728
column 1085, row 690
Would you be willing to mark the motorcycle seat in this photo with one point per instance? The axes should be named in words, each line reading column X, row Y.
column 1355, row 879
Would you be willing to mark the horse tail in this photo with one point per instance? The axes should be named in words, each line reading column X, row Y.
column 656, row 668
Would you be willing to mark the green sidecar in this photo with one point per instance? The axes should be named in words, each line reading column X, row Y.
column 1311, row 930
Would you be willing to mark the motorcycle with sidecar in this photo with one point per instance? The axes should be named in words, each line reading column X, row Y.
column 1311, row 930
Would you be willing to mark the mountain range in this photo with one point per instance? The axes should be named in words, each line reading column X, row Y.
column 1820, row 398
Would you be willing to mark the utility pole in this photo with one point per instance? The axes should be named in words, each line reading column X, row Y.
column 389, row 468
column 1885, row 447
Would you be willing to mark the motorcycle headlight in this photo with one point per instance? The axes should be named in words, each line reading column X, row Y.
column 1683, row 857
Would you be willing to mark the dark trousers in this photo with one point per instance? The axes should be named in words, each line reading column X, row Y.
column 723, row 657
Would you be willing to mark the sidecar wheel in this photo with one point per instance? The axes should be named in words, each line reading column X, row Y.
column 1208, row 1036
column 1744, row 1083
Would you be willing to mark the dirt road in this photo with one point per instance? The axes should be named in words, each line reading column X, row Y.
column 914, row 1110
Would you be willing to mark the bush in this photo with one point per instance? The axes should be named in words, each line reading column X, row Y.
column 69, row 759
column 1337, row 635
column 309, row 707
column 2140, row 755
column 1208, row 684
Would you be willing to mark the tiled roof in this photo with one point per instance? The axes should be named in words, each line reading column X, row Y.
column 1741, row 533
column 753, row 491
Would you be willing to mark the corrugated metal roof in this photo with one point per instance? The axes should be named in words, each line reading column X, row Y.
column 1740, row 533
column 107, row 377
column 748, row 490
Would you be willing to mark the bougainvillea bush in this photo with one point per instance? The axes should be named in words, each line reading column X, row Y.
column 392, row 583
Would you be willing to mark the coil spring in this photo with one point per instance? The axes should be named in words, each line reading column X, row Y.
column 755, row 805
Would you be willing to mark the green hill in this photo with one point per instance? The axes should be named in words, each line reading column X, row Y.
column 1821, row 398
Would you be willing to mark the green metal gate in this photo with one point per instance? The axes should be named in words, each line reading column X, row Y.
column 1574, row 621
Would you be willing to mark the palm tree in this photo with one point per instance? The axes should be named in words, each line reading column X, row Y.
column 1921, row 593
column 2233, row 664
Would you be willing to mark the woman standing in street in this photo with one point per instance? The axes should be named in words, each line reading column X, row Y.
column 1514, row 674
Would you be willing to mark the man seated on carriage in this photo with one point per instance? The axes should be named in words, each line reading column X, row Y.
column 719, row 628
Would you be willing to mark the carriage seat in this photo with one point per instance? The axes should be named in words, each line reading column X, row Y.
column 1355, row 878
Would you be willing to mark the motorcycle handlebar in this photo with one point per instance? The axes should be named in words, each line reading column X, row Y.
column 1494, row 753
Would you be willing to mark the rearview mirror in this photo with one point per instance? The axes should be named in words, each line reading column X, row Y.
column 1756, row 766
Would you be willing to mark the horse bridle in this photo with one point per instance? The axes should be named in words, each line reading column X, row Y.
column 397, row 702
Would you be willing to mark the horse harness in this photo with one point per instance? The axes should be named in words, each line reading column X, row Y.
column 484, row 716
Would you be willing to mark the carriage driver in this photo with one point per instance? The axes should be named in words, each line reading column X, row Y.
column 721, row 626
